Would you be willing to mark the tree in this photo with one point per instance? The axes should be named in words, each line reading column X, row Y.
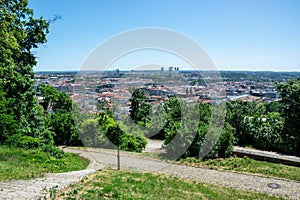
column 290, row 99
column 91, row 134
column 139, row 109
column 128, row 138
column 237, row 111
column 61, row 118
column 20, row 32
column 172, row 108
column 57, row 101
column 266, row 131
column 7, row 119
column 192, row 133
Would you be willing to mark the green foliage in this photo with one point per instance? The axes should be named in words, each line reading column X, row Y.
column 133, row 138
column 255, row 125
column 63, row 126
column 139, row 109
column 104, row 132
column 7, row 119
column 21, row 117
column 237, row 111
column 273, row 126
column 26, row 142
column 57, row 101
column 193, row 134
column 59, row 118
column 224, row 145
column 221, row 147
column 53, row 151
column 130, row 142
column 172, row 110
column 91, row 134
column 265, row 131
column 128, row 138
column 158, row 118
column 274, row 106
column 290, row 100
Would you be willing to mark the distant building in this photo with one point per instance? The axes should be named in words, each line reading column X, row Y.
column 162, row 69
column 170, row 69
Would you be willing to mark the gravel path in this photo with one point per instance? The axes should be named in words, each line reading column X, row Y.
column 154, row 146
column 39, row 188
column 287, row 189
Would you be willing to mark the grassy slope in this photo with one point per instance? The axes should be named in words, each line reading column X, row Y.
column 21, row 164
column 111, row 184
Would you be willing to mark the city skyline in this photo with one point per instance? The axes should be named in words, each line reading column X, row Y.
column 244, row 36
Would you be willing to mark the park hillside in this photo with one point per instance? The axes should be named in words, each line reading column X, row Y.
column 32, row 130
column 57, row 120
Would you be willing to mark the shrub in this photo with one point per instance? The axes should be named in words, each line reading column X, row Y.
column 203, row 145
column 129, row 142
column 224, row 146
column 105, row 132
column 26, row 142
column 53, row 151
column 266, row 131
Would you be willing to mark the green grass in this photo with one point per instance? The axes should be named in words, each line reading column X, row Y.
column 247, row 165
column 27, row 164
column 112, row 184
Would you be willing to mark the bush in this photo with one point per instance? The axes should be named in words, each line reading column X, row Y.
column 91, row 134
column 224, row 146
column 266, row 131
column 63, row 125
column 105, row 132
column 130, row 142
column 53, row 151
column 203, row 145
column 25, row 142
column 195, row 137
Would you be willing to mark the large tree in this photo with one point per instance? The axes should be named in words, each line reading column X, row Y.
column 290, row 99
column 20, row 33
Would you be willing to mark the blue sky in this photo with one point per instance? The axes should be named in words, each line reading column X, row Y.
column 236, row 34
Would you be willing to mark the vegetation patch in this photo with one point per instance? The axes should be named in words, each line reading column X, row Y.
column 111, row 184
column 26, row 164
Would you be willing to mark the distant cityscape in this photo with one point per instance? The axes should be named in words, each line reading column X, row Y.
column 113, row 87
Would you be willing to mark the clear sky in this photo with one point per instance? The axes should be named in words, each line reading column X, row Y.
column 236, row 34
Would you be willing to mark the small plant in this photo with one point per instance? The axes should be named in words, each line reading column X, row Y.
column 52, row 191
